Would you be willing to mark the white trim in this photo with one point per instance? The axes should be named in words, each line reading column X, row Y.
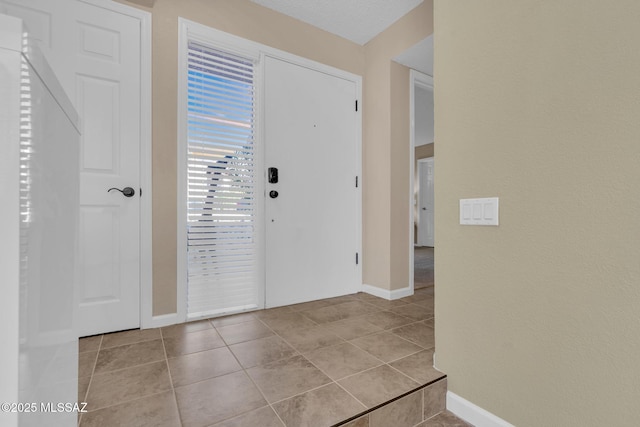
column 163, row 320
column 121, row 8
column 146, row 177
column 261, row 226
column 416, row 78
column 189, row 30
column 412, row 177
column 387, row 294
column 181, row 158
column 359, row 159
column 146, row 172
column 472, row 413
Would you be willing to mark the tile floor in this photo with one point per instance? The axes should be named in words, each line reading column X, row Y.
column 317, row 363
column 423, row 258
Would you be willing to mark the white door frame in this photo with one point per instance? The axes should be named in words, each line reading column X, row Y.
column 192, row 30
column 416, row 78
column 146, row 197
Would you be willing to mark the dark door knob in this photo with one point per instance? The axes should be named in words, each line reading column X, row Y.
column 273, row 194
column 126, row 191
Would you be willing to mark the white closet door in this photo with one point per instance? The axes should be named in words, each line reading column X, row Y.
column 96, row 54
column 426, row 208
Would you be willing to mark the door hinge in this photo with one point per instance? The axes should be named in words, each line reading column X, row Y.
column 356, row 182
column 356, row 105
column 140, row 192
column 356, row 258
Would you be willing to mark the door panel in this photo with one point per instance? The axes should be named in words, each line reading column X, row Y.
column 426, row 223
column 107, row 74
column 312, row 225
column 96, row 54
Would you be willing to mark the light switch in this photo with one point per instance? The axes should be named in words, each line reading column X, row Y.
column 479, row 211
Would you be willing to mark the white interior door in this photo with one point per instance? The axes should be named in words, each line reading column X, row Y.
column 312, row 224
column 425, row 203
column 96, row 53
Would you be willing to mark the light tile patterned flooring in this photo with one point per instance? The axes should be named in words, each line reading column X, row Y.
column 423, row 259
column 316, row 363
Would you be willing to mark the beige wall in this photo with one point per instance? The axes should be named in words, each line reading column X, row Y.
column 386, row 155
column 424, row 151
column 537, row 102
column 400, row 178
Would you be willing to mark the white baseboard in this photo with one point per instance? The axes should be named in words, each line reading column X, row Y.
column 387, row 294
column 162, row 320
column 473, row 414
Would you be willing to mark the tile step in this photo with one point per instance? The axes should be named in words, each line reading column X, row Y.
column 407, row 410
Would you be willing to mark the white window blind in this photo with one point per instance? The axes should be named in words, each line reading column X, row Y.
column 221, row 208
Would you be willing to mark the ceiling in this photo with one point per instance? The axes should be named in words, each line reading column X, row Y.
column 419, row 56
column 355, row 20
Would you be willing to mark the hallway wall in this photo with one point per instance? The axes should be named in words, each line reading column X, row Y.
column 386, row 153
column 537, row 103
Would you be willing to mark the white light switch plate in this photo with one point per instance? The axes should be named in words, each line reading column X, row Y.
column 479, row 211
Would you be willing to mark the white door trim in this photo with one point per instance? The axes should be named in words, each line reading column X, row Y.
column 472, row 413
column 416, row 78
column 146, row 247
column 192, row 30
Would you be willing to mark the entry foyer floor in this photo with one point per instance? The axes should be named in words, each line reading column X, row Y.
column 320, row 363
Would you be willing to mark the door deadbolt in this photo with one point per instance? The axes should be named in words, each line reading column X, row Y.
column 272, row 175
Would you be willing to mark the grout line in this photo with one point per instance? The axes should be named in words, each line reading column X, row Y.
column 359, row 414
column 422, row 407
column 182, row 333
column 132, row 343
column 405, row 375
column 131, row 400
column 95, row 362
column 407, row 355
column 244, row 370
column 173, row 389
column 128, row 367
column 363, row 371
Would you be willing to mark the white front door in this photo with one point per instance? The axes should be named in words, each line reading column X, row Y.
column 312, row 224
column 96, row 53
column 425, row 203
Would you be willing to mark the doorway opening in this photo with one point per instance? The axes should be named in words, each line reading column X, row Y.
column 422, row 181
